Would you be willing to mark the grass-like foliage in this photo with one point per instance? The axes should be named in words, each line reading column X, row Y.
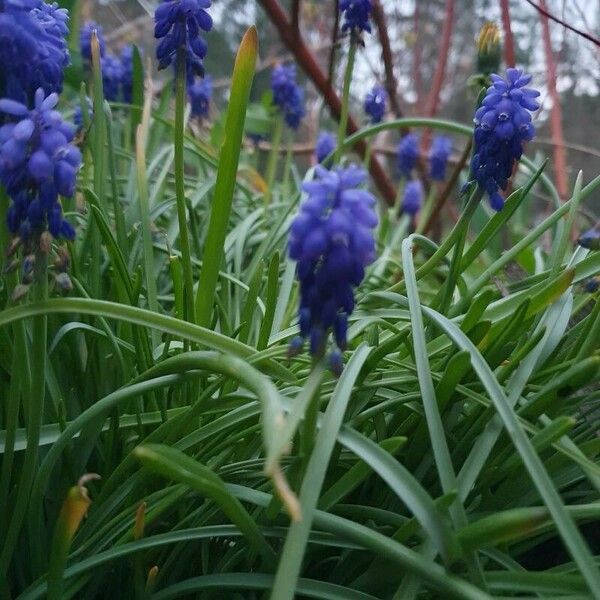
column 455, row 457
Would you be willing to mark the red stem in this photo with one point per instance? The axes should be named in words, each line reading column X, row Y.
column 391, row 83
column 433, row 99
column 558, row 140
column 307, row 61
column 509, row 42
column 417, row 55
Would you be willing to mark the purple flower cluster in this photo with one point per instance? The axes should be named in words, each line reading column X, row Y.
column 326, row 143
column 33, row 48
column 375, row 104
column 590, row 239
column 332, row 241
column 356, row 15
column 407, row 154
column 38, row 163
column 288, row 96
column 177, row 24
column 413, row 197
column 85, row 40
column 441, row 148
column 502, row 126
column 200, row 94
column 117, row 72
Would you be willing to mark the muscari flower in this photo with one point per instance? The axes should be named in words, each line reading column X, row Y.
column 502, row 126
column 112, row 77
column 356, row 15
column 177, row 24
column 332, row 241
column 438, row 157
column 33, row 48
column 592, row 285
column 127, row 74
column 326, row 143
column 85, row 40
column 413, row 197
column 200, row 93
column 375, row 102
column 407, row 154
column 288, row 96
column 78, row 113
column 38, row 163
column 590, row 239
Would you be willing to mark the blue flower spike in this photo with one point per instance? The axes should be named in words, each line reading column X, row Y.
column 331, row 239
column 412, row 200
column 38, row 163
column 590, row 239
column 33, row 48
column 407, row 154
column 288, row 96
column 85, row 40
column 177, row 24
column 326, row 143
column 357, row 15
column 200, row 94
column 375, row 104
column 441, row 148
column 502, row 126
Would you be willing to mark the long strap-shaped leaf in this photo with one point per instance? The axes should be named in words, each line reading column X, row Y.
column 535, row 467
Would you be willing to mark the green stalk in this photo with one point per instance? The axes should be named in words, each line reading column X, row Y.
column 345, row 100
column 424, row 216
column 35, row 416
column 184, row 240
column 273, row 158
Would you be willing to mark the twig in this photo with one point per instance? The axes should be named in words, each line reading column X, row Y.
column 541, row 8
column 433, row 98
column 509, row 43
column 308, row 63
column 334, row 34
column 417, row 55
column 559, row 153
column 296, row 16
column 391, row 83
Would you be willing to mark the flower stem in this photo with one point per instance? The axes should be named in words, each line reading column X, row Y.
column 184, row 239
column 345, row 100
column 273, row 158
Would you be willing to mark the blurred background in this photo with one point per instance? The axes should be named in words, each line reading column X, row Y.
column 425, row 37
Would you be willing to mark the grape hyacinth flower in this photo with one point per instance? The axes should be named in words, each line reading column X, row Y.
column 177, row 24
column 112, row 77
column 590, row 239
column 356, row 15
column 332, row 241
column 288, row 96
column 375, row 104
column 200, row 93
column 78, row 113
column 438, row 157
column 413, row 197
column 127, row 75
column 33, row 48
column 407, row 153
column 38, row 163
column 85, row 40
column 326, row 143
column 592, row 285
column 502, row 126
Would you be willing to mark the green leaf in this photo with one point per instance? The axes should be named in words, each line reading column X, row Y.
column 243, row 74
